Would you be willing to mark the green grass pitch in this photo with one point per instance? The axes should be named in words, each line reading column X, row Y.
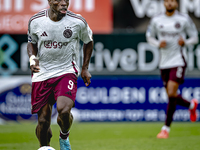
column 105, row 136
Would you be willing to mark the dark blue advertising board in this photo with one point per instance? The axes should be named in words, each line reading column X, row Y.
column 108, row 98
column 15, row 99
column 130, row 98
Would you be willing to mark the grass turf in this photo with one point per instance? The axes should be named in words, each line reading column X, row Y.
column 105, row 136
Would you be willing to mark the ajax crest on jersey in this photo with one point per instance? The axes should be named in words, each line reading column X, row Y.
column 46, row 148
column 67, row 33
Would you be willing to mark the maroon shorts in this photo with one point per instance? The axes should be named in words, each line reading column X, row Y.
column 175, row 74
column 49, row 90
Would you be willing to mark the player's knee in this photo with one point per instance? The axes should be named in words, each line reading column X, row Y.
column 43, row 123
column 171, row 94
column 64, row 111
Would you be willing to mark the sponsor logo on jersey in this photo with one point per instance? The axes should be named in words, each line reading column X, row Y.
column 164, row 34
column 177, row 25
column 54, row 44
column 67, row 33
column 44, row 34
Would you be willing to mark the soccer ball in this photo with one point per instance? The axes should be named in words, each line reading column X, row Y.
column 46, row 148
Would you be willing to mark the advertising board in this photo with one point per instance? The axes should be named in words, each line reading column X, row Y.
column 15, row 14
column 108, row 98
column 134, row 15
column 114, row 54
column 130, row 98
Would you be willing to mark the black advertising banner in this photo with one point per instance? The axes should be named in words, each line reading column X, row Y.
column 114, row 54
column 134, row 15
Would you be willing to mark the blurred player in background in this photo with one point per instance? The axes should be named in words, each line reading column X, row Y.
column 53, row 47
column 168, row 32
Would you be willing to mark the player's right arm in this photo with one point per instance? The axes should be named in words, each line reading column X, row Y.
column 151, row 36
column 32, row 53
column 32, row 49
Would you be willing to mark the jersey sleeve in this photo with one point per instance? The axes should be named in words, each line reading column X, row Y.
column 32, row 37
column 151, row 31
column 151, row 34
column 191, row 32
column 191, row 28
column 85, row 34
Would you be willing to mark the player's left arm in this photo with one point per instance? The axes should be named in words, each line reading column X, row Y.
column 87, row 52
column 191, row 32
column 86, row 36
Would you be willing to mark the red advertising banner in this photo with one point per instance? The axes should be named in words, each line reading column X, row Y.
column 15, row 14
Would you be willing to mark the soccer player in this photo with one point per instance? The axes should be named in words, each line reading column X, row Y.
column 53, row 48
column 168, row 32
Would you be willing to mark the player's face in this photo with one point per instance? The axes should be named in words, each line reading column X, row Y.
column 59, row 6
column 170, row 5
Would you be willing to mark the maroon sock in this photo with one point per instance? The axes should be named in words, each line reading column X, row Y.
column 64, row 135
column 181, row 101
column 171, row 107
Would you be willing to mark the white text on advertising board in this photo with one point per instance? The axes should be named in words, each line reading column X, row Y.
column 152, row 7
